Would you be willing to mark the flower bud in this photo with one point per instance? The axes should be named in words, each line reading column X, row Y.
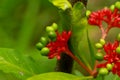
column 55, row 26
column 109, row 66
column 44, row 40
column 45, row 51
column 118, row 50
column 52, row 35
column 98, row 45
column 102, row 41
column 49, row 28
column 39, row 46
column 99, row 56
column 88, row 12
column 117, row 4
column 103, row 71
column 118, row 37
column 112, row 7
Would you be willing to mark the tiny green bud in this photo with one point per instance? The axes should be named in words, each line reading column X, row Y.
column 103, row 71
column 99, row 56
column 109, row 66
column 49, row 28
column 44, row 40
column 102, row 41
column 118, row 37
column 45, row 51
column 39, row 46
column 54, row 26
column 118, row 50
column 98, row 45
column 52, row 35
column 112, row 7
column 117, row 4
column 88, row 12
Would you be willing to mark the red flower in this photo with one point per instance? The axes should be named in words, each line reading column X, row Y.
column 106, row 15
column 60, row 45
column 111, row 57
column 116, row 68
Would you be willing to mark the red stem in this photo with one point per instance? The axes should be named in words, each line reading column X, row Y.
column 79, row 62
column 104, row 34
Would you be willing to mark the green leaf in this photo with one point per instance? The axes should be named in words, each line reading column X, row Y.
column 79, row 23
column 23, row 66
column 57, row 76
column 62, row 4
column 78, row 12
column 112, row 77
column 15, row 63
column 8, row 67
column 91, row 49
column 6, row 76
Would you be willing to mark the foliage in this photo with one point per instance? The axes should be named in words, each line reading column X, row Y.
column 23, row 22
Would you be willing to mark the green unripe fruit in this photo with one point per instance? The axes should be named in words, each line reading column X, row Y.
column 118, row 50
column 39, row 46
column 118, row 37
column 117, row 5
column 44, row 40
column 112, row 7
column 109, row 66
column 52, row 35
column 45, row 51
column 103, row 71
column 99, row 56
column 98, row 45
column 102, row 41
column 49, row 28
column 55, row 26
column 88, row 12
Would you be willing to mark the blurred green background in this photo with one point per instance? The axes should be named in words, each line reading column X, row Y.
column 22, row 23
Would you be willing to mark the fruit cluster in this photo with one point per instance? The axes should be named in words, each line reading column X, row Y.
column 111, row 58
column 109, row 15
column 55, row 43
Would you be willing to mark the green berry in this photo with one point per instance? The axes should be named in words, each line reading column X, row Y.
column 49, row 28
column 112, row 7
column 52, row 35
column 54, row 26
column 118, row 37
column 103, row 71
column 98, row 45
column 118, row 50
column 99, row 56
column 109, row 66
column 44, row 40
column 117, row 5
column 39, row 46
column 88, row 12
column 102, row 41
column 45, row 51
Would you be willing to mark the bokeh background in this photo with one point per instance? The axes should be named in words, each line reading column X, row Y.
column 23, row 22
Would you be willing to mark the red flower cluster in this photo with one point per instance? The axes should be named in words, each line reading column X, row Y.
column 112, row 18
column 112, row 57
column 60, row 45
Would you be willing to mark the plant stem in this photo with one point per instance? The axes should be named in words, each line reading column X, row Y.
column 104, row 35
column 79, row 62
column 64, row 64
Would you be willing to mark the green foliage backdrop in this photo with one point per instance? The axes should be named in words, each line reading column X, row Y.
column 22, row 23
